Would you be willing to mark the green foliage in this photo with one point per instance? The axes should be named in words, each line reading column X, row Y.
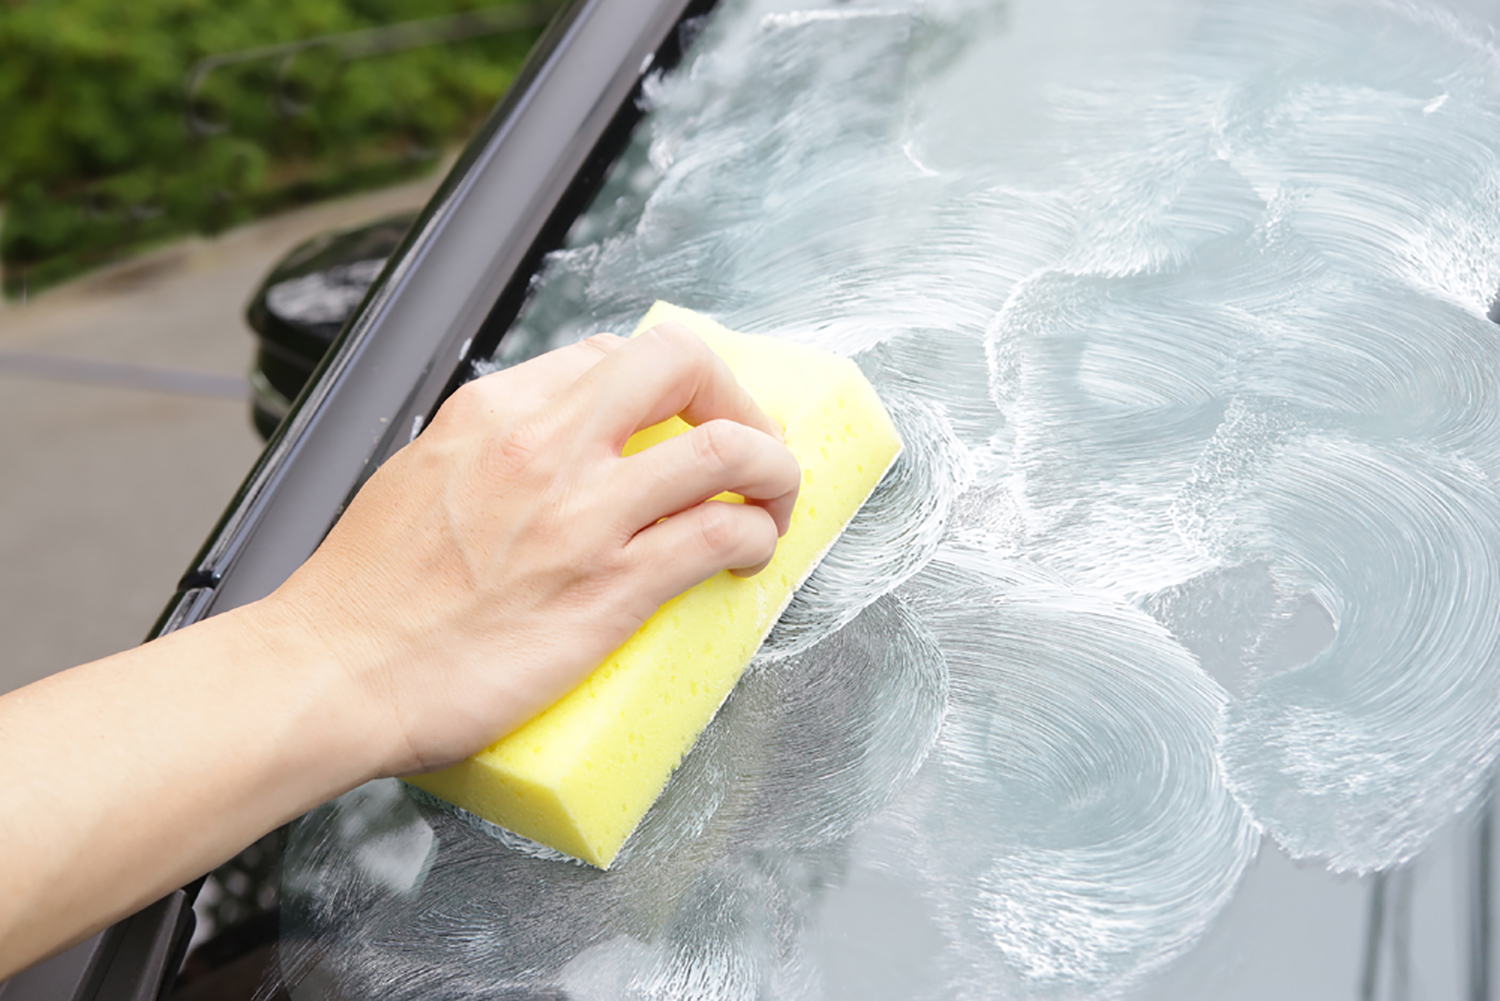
column 96, row 153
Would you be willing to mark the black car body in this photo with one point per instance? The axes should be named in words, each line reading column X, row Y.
column 303, row 304
column 448, row 301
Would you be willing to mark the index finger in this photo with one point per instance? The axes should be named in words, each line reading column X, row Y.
column 548, row 375
column 664, row 372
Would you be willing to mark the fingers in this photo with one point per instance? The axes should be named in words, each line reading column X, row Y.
column 709, row 459
column 603, row 390
column 690, row 547
column 539, row 380
column 666, row 371
column 559, row 369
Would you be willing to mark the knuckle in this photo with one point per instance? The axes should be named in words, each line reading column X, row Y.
column 719, row 446
column 606, row 560
column 719, row 530
column 685, row 348
column 514, row 447
column 675, row 335
column 615, row 564
column 468, row 402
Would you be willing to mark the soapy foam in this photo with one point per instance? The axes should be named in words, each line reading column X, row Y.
column 1081, row 740
column 1182, row 310
column 804, row 753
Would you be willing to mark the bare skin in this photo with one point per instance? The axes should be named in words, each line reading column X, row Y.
column 478, row 577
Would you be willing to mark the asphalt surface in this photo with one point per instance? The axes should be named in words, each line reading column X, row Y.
column 125, row 431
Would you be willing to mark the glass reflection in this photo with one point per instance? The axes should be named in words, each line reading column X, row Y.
column 1164, row 662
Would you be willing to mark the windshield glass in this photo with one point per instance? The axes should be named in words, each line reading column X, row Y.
column 1163, row 664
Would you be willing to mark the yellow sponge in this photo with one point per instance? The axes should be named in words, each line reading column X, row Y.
column 580, row 776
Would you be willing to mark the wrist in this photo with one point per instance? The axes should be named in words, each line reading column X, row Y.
column 327, row 673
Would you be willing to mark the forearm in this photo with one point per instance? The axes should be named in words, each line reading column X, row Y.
column 480, row 575
column 128, row 777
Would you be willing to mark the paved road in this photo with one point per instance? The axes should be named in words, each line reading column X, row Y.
column 124, row 431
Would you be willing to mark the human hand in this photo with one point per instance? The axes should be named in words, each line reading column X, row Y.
column 492, row 564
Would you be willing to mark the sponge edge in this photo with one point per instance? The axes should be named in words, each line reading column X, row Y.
column 580, row 776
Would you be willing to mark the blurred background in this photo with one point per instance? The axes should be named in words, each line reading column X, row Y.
column 157, row 159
